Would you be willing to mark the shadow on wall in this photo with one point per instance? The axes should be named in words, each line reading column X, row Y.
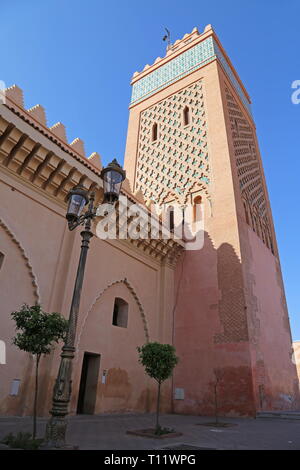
column 217, row 336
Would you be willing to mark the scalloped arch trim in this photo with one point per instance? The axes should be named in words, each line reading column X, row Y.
column 25, row 257
column 134, row 295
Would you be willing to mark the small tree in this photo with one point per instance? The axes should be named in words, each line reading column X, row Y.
column 38, row 331
column 159, row 361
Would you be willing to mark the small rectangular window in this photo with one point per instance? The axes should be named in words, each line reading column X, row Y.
column 120, row 313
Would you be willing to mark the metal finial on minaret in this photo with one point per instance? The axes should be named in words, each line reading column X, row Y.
column 167, row 37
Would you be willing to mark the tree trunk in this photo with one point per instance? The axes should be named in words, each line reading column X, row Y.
column 36, row 394
column 157, row 408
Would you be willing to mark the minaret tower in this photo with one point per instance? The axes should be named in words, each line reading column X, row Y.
column 191, row 138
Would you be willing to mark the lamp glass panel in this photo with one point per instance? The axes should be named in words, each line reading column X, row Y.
column 112, row 182
column 76, row 205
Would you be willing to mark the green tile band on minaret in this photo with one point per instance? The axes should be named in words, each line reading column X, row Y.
column 194, row 58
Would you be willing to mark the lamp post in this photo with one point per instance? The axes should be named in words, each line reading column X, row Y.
column 113, row 176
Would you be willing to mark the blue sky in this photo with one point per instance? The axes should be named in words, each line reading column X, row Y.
column 76, row 59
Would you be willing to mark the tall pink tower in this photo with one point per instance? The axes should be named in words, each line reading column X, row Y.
column 192, row 138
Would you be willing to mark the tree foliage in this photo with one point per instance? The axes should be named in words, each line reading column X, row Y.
column 38, row 330
column 158, row 360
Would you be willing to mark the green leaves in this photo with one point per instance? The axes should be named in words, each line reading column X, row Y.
column 38, row 330
column 23, row 440
column 158, row 359
column 36, row 333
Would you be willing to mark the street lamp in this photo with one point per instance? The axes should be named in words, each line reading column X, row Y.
column 77, row 199
column 113, row 176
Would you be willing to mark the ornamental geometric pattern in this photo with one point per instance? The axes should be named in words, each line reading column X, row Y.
column 176, row 68
column 249, row 171
column 177, row 161
column 182, row 65
column 232, row 78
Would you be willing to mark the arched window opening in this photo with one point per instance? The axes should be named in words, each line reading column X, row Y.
column 236, row 124
column 154, row 132
column 186, row 116
column 120, row 313
column 168, row 216
column 262, row 233
column 267, row 239
column 171, row 219
column 254, row 223
column 197, row 213
column 270, row 241
column 246, row 213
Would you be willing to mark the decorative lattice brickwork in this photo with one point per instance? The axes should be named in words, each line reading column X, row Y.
column 174, row 161
column 232, row 77
column 249, row 171
column 232, row 311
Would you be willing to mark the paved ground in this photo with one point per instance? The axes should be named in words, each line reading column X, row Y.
column 108, row 432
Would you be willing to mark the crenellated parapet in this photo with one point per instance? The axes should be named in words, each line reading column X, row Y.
column 194, row 51
column 38, row 113
column 37, row 116
column 59, row 130
column 173, row 48
column 15, row 95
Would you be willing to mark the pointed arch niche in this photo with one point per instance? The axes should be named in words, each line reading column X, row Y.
column 18, row 285
column 27, row 262
column 110, row 352
column 133, row 294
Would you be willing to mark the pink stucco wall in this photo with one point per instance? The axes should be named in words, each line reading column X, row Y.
column 114, row 269
column 274, row 372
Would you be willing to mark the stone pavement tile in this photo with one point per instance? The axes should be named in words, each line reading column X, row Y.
column 108, row 432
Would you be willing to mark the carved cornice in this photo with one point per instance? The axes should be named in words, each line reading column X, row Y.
column 27, row 157
column 24, row 155
column 166, row 251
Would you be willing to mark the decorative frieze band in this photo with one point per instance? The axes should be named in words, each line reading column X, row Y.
column 182, row 65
